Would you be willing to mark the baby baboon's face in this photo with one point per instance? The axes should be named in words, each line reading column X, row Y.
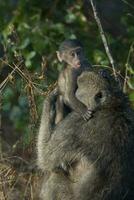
column 94, row 90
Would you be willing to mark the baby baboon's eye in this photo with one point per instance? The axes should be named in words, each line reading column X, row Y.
column 78, row 51
column 72, row 54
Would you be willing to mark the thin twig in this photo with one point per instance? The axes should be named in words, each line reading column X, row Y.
column 29, row 81
column 129, row 4
column 105, row 43
column 105, row 66
column 27, row 185
column 22, row 74
column 127, row 67
column 4, row 83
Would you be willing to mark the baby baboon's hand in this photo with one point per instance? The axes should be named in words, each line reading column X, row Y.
column 87, row 115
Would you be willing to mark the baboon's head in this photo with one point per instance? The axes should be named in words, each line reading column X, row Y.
column 95, row 89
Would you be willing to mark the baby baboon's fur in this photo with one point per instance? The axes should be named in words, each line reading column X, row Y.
column 71, row 53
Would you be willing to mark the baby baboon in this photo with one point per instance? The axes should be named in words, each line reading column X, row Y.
column 99, row 153
column 71, row 52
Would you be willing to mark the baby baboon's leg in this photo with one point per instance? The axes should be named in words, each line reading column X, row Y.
column 59, row 109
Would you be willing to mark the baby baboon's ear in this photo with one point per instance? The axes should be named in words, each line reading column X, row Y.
column 59, row 56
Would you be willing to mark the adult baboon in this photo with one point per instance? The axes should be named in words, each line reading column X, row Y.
column 99, row 153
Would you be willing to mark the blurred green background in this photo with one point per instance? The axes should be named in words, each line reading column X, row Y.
column 33, row 29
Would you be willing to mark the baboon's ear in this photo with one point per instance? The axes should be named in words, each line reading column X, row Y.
column 59, row 56
column 82, row 78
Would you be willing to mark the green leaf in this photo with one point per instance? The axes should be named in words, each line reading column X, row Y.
column 31, row 55
column 25, row 43
column 131, row 96
column 28, row 63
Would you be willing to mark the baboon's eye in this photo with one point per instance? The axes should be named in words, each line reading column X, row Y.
column 98, row 96
column 103, row 73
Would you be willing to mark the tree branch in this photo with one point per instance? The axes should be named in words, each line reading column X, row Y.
column 104, row 40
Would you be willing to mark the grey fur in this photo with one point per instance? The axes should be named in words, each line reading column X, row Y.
column 71, row 52
column 99, row 153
